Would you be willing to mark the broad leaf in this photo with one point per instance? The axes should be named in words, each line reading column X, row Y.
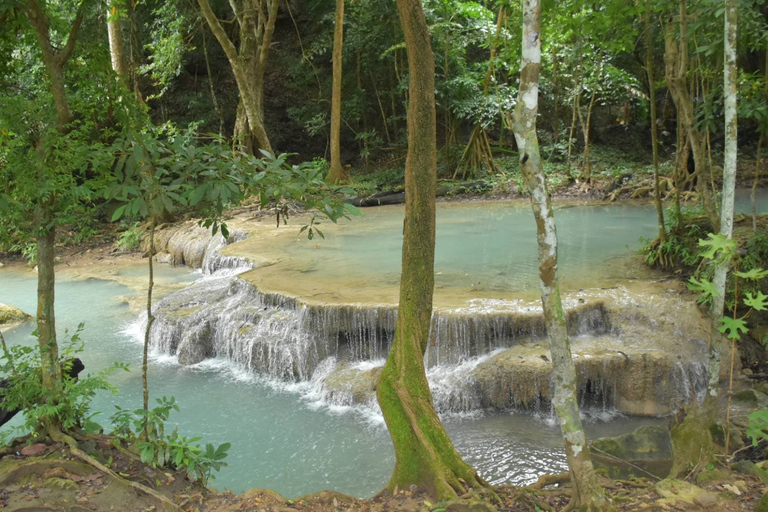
column 732, row 326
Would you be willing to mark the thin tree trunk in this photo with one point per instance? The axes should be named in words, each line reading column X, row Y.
column 117, row 44
column 654, row 127
column 586, row 126
column 214, row 100
column 337, row 174
column 424, row 453
column 587, row 492
column 55, row 59
column 729, row 184
column 150, row 321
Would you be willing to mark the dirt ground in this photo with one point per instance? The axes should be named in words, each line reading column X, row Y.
column 41, row 477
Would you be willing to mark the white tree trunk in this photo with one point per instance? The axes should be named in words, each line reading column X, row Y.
column 729, row 185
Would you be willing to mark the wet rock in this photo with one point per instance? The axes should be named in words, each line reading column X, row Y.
column 33, row 450
column 347, row 384
column 196, row 345
column 12, row 315
column 647, row 449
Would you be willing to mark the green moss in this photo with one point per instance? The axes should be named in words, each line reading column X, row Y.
column 708, row 477
column 691, row 445
column 763, row 505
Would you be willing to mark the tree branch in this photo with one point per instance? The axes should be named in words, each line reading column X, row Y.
column 218, row 31
column 66, row 53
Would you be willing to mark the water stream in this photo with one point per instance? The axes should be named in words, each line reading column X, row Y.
column 286, row 431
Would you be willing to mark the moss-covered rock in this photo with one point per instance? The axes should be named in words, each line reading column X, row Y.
column 647, row 442
column 692, row 444
column 712, row 476
column 11, row 315
column 646, row 450
column 763, row 505
column 679, row 490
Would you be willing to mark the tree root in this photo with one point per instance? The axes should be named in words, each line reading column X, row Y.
column 61, row 437
column 545, row 480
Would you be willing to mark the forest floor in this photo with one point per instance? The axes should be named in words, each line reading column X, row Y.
column 42, row 477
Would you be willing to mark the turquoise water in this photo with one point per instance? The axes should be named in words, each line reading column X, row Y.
column 490, row 246
column 282, row 437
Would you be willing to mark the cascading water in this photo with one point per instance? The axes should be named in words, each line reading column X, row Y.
column 491, row 354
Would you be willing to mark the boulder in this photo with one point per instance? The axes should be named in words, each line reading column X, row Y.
column 678, row 490
column 692, row 444
column 196, row 345
column 348, row 384
column 11, row 315
column 647, row 449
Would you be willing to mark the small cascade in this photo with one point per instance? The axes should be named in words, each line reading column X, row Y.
column 633, row 354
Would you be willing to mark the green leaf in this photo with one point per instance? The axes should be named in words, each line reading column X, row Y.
column 719, row 247
column 755, row 274
column 757, row 426
column 707, row 288
column 758, row 302
column 118, row 213
column 732, row 326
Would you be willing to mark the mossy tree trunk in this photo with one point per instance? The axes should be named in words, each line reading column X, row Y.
column 256, row 21
column 55, row 59
column 424, row 453
column 587, row 491
column 729, row 185
column 337, row 174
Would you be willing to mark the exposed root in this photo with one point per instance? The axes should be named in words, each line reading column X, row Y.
column 545, row 480
column 77, row 452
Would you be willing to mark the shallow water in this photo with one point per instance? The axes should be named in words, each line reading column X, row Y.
column 282, row 437
column 483, row 249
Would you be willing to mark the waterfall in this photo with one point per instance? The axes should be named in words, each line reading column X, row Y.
column 630, row 352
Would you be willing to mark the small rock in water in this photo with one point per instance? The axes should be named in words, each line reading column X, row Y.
column 33, row 450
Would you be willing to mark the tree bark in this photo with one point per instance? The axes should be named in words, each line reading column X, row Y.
column 54, row 60
column 117, row 44
column 587, row 492
column 676, row 62
column 337, row 174
column 424, row 453
column 256, row 19
column 150, row 321
column 654, row 117
column 729, row 184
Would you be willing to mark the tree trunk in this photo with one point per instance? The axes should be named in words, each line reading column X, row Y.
column 150, row 321
column 729, row 184
column 248, row 64
column 587, row 491
column 116, row 44
column 54, row 60
column 676, row 62
column 424, row 453
column 654, row 127
column 46, row 319
column 337, row 174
